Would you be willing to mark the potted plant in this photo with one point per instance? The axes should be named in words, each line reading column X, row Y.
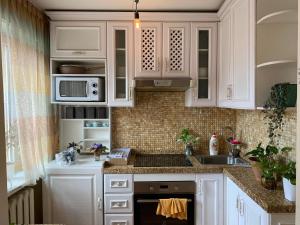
column 188, row 140
column 266, row 164
column 97, row 149
column 289, row 181
column 268, row 173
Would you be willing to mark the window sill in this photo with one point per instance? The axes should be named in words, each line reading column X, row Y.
column 16, row 183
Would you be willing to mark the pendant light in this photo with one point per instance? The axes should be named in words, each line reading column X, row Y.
column 137, row 21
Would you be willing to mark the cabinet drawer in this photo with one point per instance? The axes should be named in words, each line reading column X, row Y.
column 113, row 219
column 118, row 203
column 118, row 183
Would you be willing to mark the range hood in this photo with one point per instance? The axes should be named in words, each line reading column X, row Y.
column 165, row 84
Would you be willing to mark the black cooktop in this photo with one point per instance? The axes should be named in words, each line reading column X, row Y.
column 162, row 160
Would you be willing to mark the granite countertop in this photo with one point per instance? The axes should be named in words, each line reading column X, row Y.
column 270, row 201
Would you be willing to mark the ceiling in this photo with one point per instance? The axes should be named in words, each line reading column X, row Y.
column 151, row 5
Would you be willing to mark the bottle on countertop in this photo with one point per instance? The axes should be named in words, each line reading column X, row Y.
column 213, row 145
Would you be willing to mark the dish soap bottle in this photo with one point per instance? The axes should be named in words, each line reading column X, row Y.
column 213, row 145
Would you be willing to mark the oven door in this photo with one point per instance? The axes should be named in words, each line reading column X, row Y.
column 145, row 206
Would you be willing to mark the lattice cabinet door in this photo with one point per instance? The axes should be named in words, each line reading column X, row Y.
column 176, row 49
column 148, row 41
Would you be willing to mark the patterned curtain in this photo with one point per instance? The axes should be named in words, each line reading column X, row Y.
column 29, row 117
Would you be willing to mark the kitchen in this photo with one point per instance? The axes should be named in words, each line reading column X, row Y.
column 123, row 79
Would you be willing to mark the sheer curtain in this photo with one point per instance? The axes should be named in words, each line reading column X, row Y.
column 30, row 119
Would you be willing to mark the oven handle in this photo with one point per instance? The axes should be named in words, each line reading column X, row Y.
column 153, row 200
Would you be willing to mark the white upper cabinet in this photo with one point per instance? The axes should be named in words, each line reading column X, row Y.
column 78, row 39
column 176, row 46
column 257, row 42
column 237, row 56
column 203, row 65
column 120, row 64
column 162, row 50
column 148, row 54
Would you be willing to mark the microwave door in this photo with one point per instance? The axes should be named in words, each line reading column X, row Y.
column 72, row 90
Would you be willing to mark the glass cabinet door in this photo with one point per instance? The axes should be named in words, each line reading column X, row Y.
column 203, row 63
column 120, row 68
column 120, row 64
column 203, row 66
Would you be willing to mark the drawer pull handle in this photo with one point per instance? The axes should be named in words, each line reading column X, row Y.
column 119, row 184
column 118, row 204
column 119, row 222
column 78, row 53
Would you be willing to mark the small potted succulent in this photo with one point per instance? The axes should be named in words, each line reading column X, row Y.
column 289, row 181
column 188, row 140
column 97, row 149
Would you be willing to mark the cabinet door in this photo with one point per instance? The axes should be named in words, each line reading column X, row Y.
column 209, row 199
column 74, row 199
column 148, row 54
column 176, row 50
column 203, row 65
column 120, row 63
column 237, row 56
column 225, row 75
column 243, row 35
column 250, row 212
column 232, row 203
column 78, row 39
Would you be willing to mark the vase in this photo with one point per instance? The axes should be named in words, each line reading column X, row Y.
column 188, row 150
column 269, row 183
column 289, row 190
column 97, row 154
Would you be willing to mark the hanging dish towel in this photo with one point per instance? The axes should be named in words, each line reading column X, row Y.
column 173, row 207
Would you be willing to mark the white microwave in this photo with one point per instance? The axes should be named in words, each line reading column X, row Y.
column 80, row 89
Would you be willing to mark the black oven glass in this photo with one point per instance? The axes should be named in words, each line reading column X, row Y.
column 145, row 212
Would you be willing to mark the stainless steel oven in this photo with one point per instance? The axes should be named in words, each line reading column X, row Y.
column 147, row 195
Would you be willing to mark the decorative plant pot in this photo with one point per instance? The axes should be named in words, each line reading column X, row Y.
column 269, row 184
column 289, row 190
column 255, row 168
column 188, row 151
column 291, row 93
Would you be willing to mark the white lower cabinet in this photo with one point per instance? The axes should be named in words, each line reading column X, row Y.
column 242, row 210
column 209, row 199
column 118, row 199
column 73, row 196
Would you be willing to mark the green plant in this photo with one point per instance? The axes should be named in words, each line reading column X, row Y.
column 290, row 172
column 274, row 110
column 269, row 159
column 269, row 152
column 186, row 138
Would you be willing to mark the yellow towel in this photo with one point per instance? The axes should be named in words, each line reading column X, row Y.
column 173, row 207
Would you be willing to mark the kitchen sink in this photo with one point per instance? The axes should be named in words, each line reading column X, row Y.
column 222, row 160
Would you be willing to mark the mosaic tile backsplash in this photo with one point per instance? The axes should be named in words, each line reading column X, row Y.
column 155, row 122
column 251, row 128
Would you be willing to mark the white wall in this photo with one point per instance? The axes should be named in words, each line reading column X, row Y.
column 3, row 185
